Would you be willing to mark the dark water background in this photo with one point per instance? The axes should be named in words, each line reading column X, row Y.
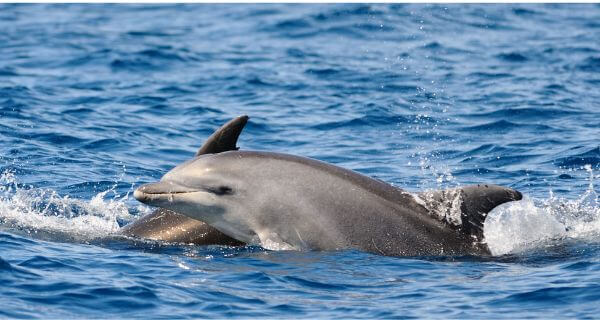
column 97, row 99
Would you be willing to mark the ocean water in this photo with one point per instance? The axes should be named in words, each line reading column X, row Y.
column 98, row 99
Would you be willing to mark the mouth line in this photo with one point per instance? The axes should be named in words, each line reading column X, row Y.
column 149, row 198
column 158, row 195
column 168, row 193
column 217, row 191
column 162, row 190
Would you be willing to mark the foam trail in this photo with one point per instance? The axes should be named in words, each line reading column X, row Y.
column 44, row 211
column 527, row 224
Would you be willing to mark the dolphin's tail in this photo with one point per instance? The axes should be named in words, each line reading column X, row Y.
column 466, row 208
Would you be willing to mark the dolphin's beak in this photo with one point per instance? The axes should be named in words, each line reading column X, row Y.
column 160, row 190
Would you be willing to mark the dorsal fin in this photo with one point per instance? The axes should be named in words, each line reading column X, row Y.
column 225, row 138
column 466, row 208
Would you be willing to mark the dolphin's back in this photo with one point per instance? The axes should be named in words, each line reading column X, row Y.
column 324, row 207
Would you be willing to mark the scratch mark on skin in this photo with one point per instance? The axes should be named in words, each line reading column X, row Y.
column 374, row 245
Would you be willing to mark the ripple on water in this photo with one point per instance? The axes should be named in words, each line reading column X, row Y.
column 590, row 64
column 547, row 297
column 44, row 263
column 591, row 157
column 513, row 57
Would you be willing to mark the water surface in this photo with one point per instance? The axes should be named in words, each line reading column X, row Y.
column 98, row 99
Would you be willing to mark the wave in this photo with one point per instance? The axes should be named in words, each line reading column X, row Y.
column 506, row 126
column 588, row 157
column 512, row 57
column 43, row 213
column 540, row 113
column 532, row 223
column 590, row 64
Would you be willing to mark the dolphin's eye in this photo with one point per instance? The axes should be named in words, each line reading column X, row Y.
column 222, row 190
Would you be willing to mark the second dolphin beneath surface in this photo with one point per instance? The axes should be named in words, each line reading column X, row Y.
column 284, row 201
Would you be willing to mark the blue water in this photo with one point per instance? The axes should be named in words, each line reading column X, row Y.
column 98, row 99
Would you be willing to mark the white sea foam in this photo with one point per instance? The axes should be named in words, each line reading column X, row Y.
column 529, row 223
column 44, row 210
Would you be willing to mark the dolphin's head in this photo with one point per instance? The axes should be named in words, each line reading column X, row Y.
column 204, row 188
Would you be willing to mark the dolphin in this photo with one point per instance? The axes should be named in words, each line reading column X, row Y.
column 283, row 201
column 166, row 225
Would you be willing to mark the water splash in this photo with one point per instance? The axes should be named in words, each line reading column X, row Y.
column 45, row 212
column 528, row 224
column 446, row 207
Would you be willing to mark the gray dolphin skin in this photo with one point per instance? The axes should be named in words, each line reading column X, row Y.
column 282, row 201
column 166, row 225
